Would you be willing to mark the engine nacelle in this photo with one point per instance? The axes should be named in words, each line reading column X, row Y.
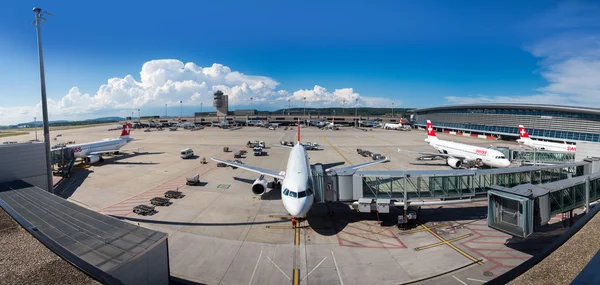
column 92, row 159
column 454, row 162
column 259, row 186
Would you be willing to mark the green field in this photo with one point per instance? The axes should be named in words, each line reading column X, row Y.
column 11, row 133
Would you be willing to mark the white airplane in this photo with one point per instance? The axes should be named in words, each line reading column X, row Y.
column 396, row 126
column 297, row 187
column 457, row 154
column 332, row 125
column 92, row 152
column 542, row 145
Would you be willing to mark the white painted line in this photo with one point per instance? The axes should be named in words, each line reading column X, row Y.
column 476, row 280
column 337, row 269
column 314, row 268
column 255, row 267
column 279, row 269
column 459, row 280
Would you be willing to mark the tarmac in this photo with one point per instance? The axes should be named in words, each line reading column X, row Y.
column 220, row 233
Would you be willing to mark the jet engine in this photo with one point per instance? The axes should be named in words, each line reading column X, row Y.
column 454, row 162
column 259, row 186
column 92, row 159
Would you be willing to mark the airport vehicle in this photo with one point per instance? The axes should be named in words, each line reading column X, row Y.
column 144, row 210
column 173, row 194
column 92, row 152
column 160, row 201
column 271, row 128
column 261, row 144
column 458, row 154
column 542, row 145
column 187, row 153
column 297, row 194
column 258, row 151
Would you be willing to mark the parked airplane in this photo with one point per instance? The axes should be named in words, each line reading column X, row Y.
column 332, row 125
column 297, row 187
column 542, row 145
column 92, row 152
column 396, row 126
column 457, row 154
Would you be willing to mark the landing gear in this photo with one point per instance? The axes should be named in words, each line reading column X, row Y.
column 101, row 159
column 294, row 222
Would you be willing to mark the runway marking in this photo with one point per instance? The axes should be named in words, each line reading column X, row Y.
column 337, row 269
column 459, row 280
column 476, row 280
column 424, row 230
column 279, row 269
column 453, row 246
column 255, row 267
column 442, row 243
column 335, row 148
column 297, row 236
column 314, row 268
column 296, row 276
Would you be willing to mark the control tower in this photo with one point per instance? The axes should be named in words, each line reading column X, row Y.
column 220, row 101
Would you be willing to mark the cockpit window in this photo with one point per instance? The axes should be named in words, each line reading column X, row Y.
column 286, row 192
column 293, row 194
column 309, row 191
column 503, row 157
column 301, row 194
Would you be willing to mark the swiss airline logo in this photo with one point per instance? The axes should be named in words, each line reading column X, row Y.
column 126, row 130
column 481, row 151
column 571, row 148
column 430, row 131
column 523, row 132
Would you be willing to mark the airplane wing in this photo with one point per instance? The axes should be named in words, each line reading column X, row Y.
column 433, row 154
column 269, row 172
column 114, row 150
column 360, row 165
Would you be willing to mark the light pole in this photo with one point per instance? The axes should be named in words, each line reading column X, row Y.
column 251, row 103
column 392, row 109
column 356, row 112
column 139, row 116
column 200, row 107
column 38, row 20
column 180, row 108
column 344, row 106
column 132, row 116
column 35, row 127
column 304, row 107
column 165, row 110
column 289, row 106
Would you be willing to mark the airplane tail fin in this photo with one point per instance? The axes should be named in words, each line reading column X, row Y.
column 523, row 133
column 298, row 130
column 126, row 130
column 430, row 130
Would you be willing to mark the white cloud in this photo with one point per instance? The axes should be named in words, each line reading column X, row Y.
column 168, row 81
column 570, row 65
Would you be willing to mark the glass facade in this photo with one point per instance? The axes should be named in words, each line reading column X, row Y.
column 526, row 112
column 468, row 185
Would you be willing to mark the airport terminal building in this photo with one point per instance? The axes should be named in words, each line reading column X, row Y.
column 546, row 122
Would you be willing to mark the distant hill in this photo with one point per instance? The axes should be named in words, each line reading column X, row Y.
column 107, row 119
column 67, row 123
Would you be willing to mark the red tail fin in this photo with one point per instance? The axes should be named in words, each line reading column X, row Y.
column 523, row 132
column 298, row 131
column 430, row 131
column 126, row 130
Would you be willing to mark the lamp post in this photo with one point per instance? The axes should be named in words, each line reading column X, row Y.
column 304, row 107
column 38, row 20
column 200, row 107
column 165, row 110
column 344, row 106
column 392, row 109
column 289, row 106
column 251, row 102
column 180, row 108
column 356, row 112
column 139, row 116
column 35, row 127
column 132, row 116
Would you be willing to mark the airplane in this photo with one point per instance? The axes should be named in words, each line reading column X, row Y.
column 397, row 126
column 332, row 125
column 457, row 154
column 542, row 145
column 92, row 152
column 297, row 187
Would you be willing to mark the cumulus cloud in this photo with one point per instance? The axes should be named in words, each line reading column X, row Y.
column 169, row 81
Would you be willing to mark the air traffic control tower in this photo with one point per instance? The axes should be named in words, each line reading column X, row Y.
column 221, row 102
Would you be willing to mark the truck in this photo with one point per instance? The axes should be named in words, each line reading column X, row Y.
column 258, row 151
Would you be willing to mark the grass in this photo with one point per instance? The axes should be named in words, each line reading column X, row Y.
column 10, row 134
column 60, row 128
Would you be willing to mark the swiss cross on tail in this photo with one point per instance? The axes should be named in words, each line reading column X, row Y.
column 126, row 130
column 430, row 131
column 523, row 132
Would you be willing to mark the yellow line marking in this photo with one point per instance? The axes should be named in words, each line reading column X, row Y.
column 452, row 246
column 296, row 276
column 297, row 236
column 423, row 230
column 443, row 242
column 335, row 148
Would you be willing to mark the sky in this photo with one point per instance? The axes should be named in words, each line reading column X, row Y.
column 117, row 57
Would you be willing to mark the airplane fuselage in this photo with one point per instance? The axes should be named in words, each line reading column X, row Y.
column 489, row 157
column 297, row 188
column 84, row 149
column 550, row 146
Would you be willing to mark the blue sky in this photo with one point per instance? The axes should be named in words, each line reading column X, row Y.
column 411, row 53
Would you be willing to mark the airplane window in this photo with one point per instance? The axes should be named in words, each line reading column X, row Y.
column 293, row 194
column 286, row 192
column 309, row 191
column 301, row 194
